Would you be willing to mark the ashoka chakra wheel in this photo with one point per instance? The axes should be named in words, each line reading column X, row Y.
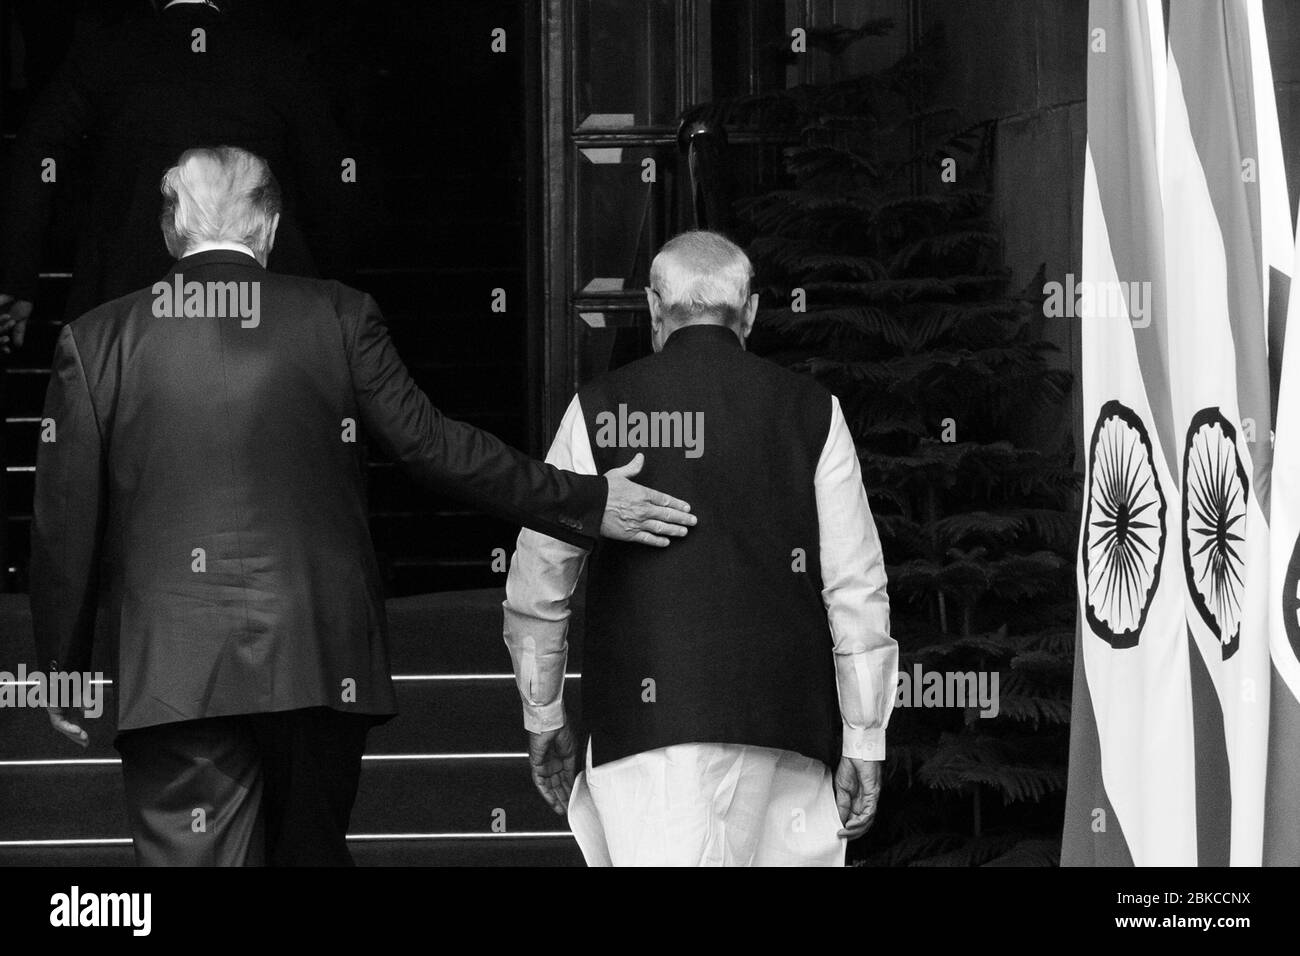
column 1124, row 527
column 1215, row 492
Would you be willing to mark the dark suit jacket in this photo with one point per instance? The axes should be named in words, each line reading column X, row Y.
column 205, row 465
column 141, row 96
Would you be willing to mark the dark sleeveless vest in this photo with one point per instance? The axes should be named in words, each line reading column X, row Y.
column 721, row 637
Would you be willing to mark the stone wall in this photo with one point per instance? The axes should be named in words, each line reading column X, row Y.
column 1024, row 64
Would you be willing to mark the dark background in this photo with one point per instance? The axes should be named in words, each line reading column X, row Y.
column 469, row 195
column 439, row 123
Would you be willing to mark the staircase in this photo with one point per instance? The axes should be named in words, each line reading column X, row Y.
column 435, row 779
column 472, row 369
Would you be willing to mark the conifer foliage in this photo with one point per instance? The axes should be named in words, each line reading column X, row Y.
column 879, row 269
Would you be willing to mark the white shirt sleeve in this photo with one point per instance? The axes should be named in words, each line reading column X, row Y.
column 543, row 575
column 853, row 590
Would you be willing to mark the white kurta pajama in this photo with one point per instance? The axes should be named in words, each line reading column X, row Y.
column 715, row 804
column 707, row 805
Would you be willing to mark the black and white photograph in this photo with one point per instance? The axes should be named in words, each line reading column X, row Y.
column 515, row 434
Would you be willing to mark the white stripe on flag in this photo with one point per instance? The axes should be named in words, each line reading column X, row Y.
column 1223, row 532
column 1141, row 694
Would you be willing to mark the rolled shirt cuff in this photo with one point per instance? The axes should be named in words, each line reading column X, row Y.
column 864, row 743
column 539, row 718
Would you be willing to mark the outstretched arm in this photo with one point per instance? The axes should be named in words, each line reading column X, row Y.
column 477, row 467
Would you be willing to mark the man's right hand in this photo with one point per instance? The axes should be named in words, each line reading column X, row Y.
column 14, row 314
column 636, row 513
column 857, row 794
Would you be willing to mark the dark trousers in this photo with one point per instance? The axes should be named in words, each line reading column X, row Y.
column 256, row 789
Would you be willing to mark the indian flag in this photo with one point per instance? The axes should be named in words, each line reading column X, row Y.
column 1186, row 212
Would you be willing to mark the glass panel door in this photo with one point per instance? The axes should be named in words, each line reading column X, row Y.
column 617, row 76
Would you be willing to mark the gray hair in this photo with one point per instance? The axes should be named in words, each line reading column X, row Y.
column 219, row 194
column 701, row 275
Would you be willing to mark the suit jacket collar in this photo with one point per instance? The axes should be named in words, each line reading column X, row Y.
column 213, row 257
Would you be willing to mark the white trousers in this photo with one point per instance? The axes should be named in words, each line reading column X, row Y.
column 707, row 805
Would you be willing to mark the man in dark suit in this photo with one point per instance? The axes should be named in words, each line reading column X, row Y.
column 138, row 94
column 201, row 486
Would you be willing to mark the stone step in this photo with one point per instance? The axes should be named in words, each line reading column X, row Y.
column 438, row 715
column 404, row 795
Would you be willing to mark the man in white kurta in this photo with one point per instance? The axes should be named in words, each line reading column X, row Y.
column 703, row 803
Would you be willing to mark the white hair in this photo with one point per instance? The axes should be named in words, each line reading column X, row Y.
column 219, row 194
column 701, row 275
